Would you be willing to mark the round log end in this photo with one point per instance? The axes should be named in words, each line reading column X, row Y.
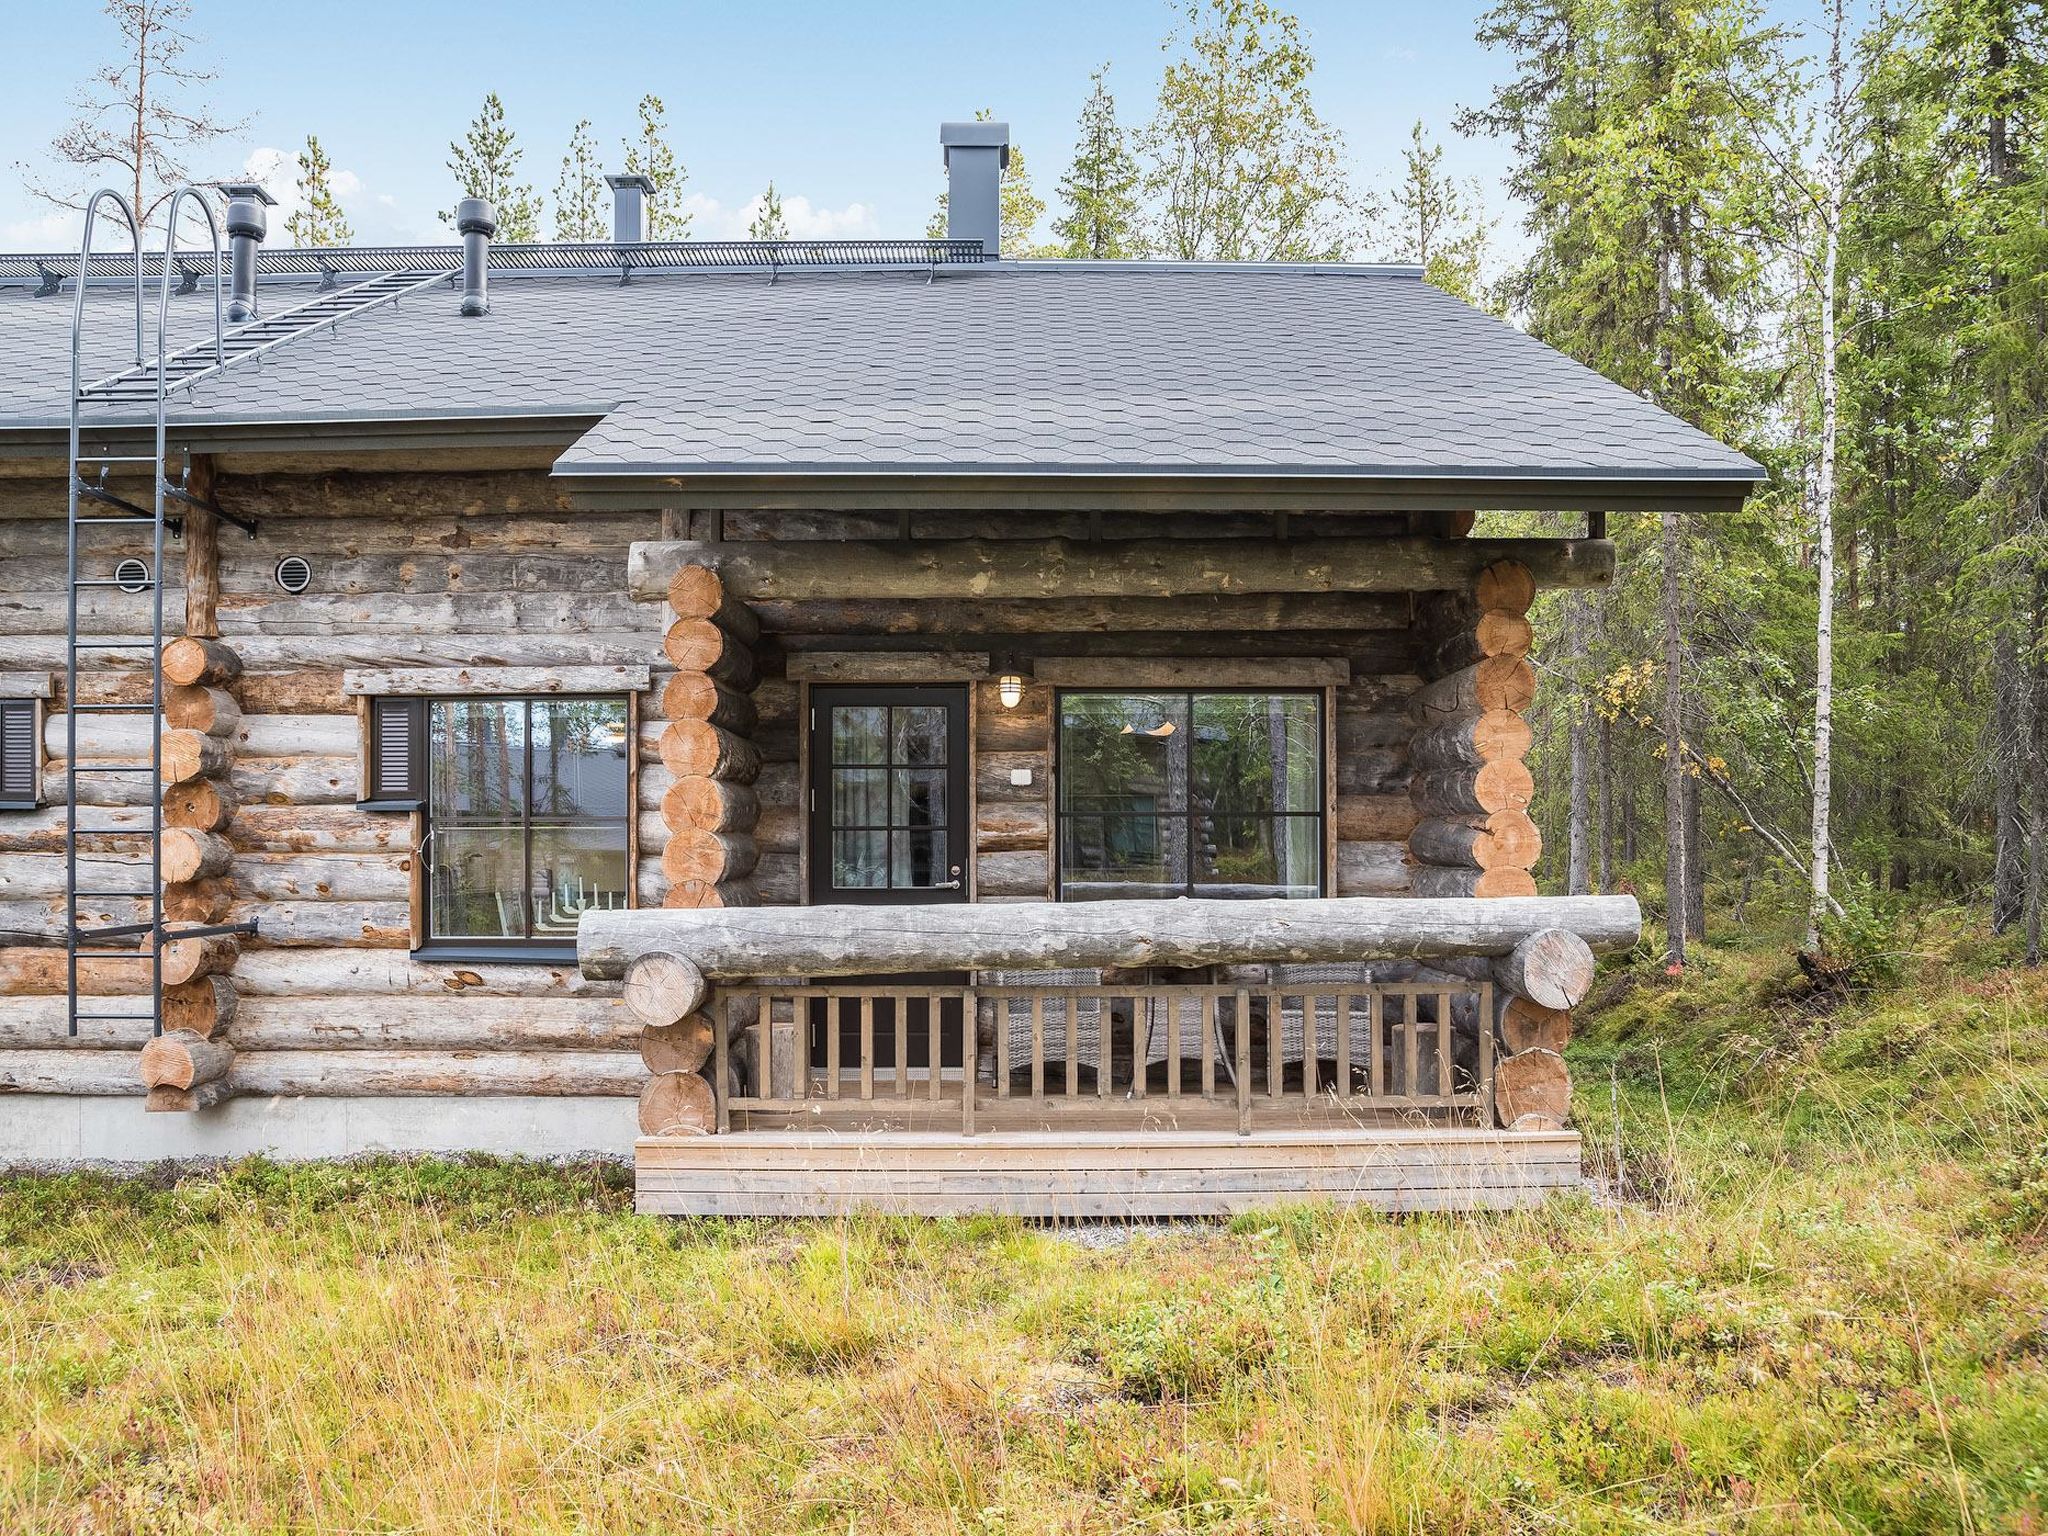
column 1552, row 966
column 1532, row 1083
column 684, row 1046
column 663, row 988
column 677, row 1104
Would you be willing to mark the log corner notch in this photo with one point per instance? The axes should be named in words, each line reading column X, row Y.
column 710, row 811
column 186, row 1068
column 670, row 997
column 1476, row 838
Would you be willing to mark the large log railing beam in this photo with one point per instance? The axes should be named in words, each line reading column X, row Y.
column 1005, row 569
column 732, row 944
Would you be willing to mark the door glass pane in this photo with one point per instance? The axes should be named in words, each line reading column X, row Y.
column 860, row 733
column 860, row 797
column 579, row 758
column 1257, row 752
column 918, row 860
column 477, row 764
column 476, row 888
column 920, row 797
column 860, row 861
column 920, row 734
column 575, row 870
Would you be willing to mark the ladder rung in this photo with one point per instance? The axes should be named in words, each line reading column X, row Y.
column 113, row 645
column 113, row 1018
column 115, row 954
column 141, row 895
column 113, row 709
column 120, row 931
column 123, row 521
column 117, row 458
column 78, row 768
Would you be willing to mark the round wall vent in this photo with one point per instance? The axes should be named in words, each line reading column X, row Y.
column 294, row 574
column 132, row 576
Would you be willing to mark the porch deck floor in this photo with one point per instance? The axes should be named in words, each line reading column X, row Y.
column 1095, row 1174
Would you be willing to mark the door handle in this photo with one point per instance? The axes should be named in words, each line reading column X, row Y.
column 948, row 885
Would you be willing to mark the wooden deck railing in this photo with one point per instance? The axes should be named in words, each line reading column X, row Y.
column 1350, row 1048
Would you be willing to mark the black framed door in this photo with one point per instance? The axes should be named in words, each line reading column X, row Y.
column 888, row 795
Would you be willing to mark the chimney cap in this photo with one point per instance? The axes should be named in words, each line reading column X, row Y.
column 476, row 216
column 975, row 135
column 249, row 189
column 631, row 179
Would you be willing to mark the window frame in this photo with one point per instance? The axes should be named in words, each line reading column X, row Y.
column 1321, row 817
column 481, row 949
column 957, row 699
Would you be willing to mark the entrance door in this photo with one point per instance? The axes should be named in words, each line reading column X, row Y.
column 889, row 825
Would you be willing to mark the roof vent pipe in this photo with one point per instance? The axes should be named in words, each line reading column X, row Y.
column 476, row 221
column 247, row 225
column 977, row 154
column 629, row 208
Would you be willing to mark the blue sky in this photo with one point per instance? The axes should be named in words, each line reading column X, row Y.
column 839, row 104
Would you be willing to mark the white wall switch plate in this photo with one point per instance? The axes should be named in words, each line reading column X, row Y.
column 1021, row 777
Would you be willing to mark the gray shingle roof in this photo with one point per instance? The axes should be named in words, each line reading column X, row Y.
column 1032, row 368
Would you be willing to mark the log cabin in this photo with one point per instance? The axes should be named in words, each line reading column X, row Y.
column 844, row 723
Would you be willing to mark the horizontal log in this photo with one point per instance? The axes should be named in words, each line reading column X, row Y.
column 36, row 969
column 1371, row 869
column 252, row 736
column 699, row 696
column 1498, row 682
column 705, row 893
column 1489, row 884
column 662, row 987
column 710, row 805
column 1010, row 827
column 1471, row 740
column 696, row 748
column 1375, row 818
column 190, row 662
column 374, row 924
column 734, row 944
column 189, row 855
column 878, row 667
column 698, row 592
column 393, row 974
column 189, row 959
column 204, row 1007
column 1552, row 966
column 192, row 755
column 1509, row 583
column 699, row 645
column 266, row 877
column 211, row 710
column 1504, row 840
column 318, row 829
column 714, row 857
column 353, row 1074
column 180, row 1059
column 169, row 1100
column 468, row 682
column 104, row 1072
column 200, row 805
column 677, row 1104
column 1157, row 568
column 1532, row 1090
column 1497, row 786
column 1194, row 671
column 1495, row 632
column 418, row 1021
column 1229, row 614
column 553, row 639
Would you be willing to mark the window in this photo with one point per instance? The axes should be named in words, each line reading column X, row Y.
column 20, row 754
column 527, row 807
column 889, row 770
column 1190, row 794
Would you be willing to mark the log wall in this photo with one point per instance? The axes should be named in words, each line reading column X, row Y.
column 493, row 569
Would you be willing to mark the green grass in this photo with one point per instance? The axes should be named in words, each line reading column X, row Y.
column 1822, row 1305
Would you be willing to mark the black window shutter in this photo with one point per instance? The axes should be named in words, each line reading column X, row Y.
column 18, row 765
column 398, row 754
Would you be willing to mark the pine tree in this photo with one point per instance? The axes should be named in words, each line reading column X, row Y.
column 768, row 223
column 485, row 161
column 649, row 154
column 1020, row 211
column 318, row 220
column 1100, row 188
column 579, row 190
column 1240, row 162
column 1435, row 221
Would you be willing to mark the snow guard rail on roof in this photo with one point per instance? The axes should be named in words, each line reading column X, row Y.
column 49, row 273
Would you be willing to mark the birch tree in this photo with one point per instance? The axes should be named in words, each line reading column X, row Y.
column 1100, row 189
column 579, row 189
column 318, row 219
column 485, row 163
column 767, row 222
column 649, row 154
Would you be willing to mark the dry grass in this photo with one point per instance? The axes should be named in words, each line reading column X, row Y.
column 1826, row 1310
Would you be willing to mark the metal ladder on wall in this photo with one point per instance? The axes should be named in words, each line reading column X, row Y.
column 93, row 508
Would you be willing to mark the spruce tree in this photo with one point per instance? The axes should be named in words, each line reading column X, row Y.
column 1101, row 186
column 767, row 223
column 318, row 220
column 1435, row 221
column 485, row 162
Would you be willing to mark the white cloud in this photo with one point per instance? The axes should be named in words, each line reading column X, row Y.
column 278, row 172
column 712, row 220
column 57, row 230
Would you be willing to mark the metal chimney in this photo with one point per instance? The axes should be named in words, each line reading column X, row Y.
column 977, row 154
column 629, row 207
column 476, row 221
column 247, row 225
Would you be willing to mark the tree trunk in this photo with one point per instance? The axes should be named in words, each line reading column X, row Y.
column 1834, row 144
column 1674, row 746
column 1578, row 874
